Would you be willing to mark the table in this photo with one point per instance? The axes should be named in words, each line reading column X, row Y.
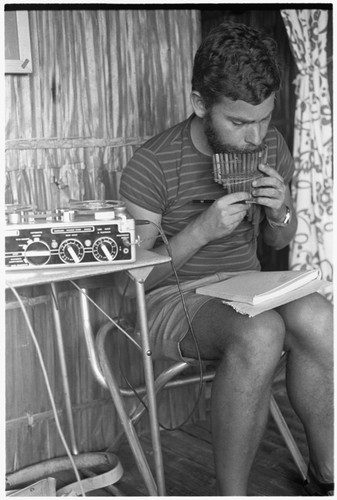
column 138, row 271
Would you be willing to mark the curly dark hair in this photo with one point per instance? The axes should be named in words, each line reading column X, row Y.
column 238, row 62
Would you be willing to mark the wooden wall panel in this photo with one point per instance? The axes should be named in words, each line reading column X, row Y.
column 103, row 81
column 30, row 425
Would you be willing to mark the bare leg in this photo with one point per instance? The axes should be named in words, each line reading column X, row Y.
column 309, row 340
column 249, row 350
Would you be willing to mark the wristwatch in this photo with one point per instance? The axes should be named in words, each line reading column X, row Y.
column 284, row 222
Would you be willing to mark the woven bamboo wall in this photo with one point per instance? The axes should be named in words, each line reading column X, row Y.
column 103, row 81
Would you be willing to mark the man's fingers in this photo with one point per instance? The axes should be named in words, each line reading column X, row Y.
column 271, row 172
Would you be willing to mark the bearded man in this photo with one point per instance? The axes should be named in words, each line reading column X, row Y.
column 235, row 82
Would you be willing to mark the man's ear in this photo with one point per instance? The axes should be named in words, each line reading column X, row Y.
column 198, row 104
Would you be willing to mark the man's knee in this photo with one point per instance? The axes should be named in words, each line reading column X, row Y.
column 221, row 332
column 309, row 320
column 260, row 343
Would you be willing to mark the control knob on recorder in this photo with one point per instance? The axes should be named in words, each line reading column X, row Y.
column 105, row 249
column 71, row 251
column 37, row 253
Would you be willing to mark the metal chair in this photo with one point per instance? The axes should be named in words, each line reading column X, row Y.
column 171, row 377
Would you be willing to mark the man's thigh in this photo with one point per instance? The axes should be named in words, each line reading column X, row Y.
column 217, row 326
column 308, row 322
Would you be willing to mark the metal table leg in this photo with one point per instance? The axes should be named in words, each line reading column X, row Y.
column 149, row 381
column 86, row 460
column 158, row 487
column 100, row 366
column 82, row 461
column 103, row 374
column 90, row 339
column 63, row 366
column 126, row 422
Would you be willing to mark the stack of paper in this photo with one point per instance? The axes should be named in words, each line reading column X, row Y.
column 255, row 291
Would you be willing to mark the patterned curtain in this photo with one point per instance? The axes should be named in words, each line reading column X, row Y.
column 312, row 186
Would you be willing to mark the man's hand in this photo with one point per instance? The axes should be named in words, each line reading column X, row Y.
column 222, row 217
column 271, row 192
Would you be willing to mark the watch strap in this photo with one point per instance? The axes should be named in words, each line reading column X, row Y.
column 284, row 222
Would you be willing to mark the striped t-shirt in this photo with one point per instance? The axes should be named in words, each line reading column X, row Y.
column 168, row 172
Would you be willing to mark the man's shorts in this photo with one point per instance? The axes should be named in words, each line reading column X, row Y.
column 167, row 311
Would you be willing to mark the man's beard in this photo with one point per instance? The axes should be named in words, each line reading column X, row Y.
column 216, row 143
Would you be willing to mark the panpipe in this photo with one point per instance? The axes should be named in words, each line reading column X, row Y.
column 235, row 171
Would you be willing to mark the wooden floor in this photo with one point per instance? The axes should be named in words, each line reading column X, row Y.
column 188, row 461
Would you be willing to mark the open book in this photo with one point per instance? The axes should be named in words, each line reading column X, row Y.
column 257, row 287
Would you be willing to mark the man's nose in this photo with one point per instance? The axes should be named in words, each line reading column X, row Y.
column 254, row 134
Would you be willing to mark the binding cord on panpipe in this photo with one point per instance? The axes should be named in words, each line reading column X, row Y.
column 236, row 172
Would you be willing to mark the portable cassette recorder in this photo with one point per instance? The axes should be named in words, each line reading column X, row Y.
column 87, row 233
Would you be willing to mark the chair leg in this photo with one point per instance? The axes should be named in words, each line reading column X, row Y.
column 164, row 379
column 288, row 438
column 129, row 430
